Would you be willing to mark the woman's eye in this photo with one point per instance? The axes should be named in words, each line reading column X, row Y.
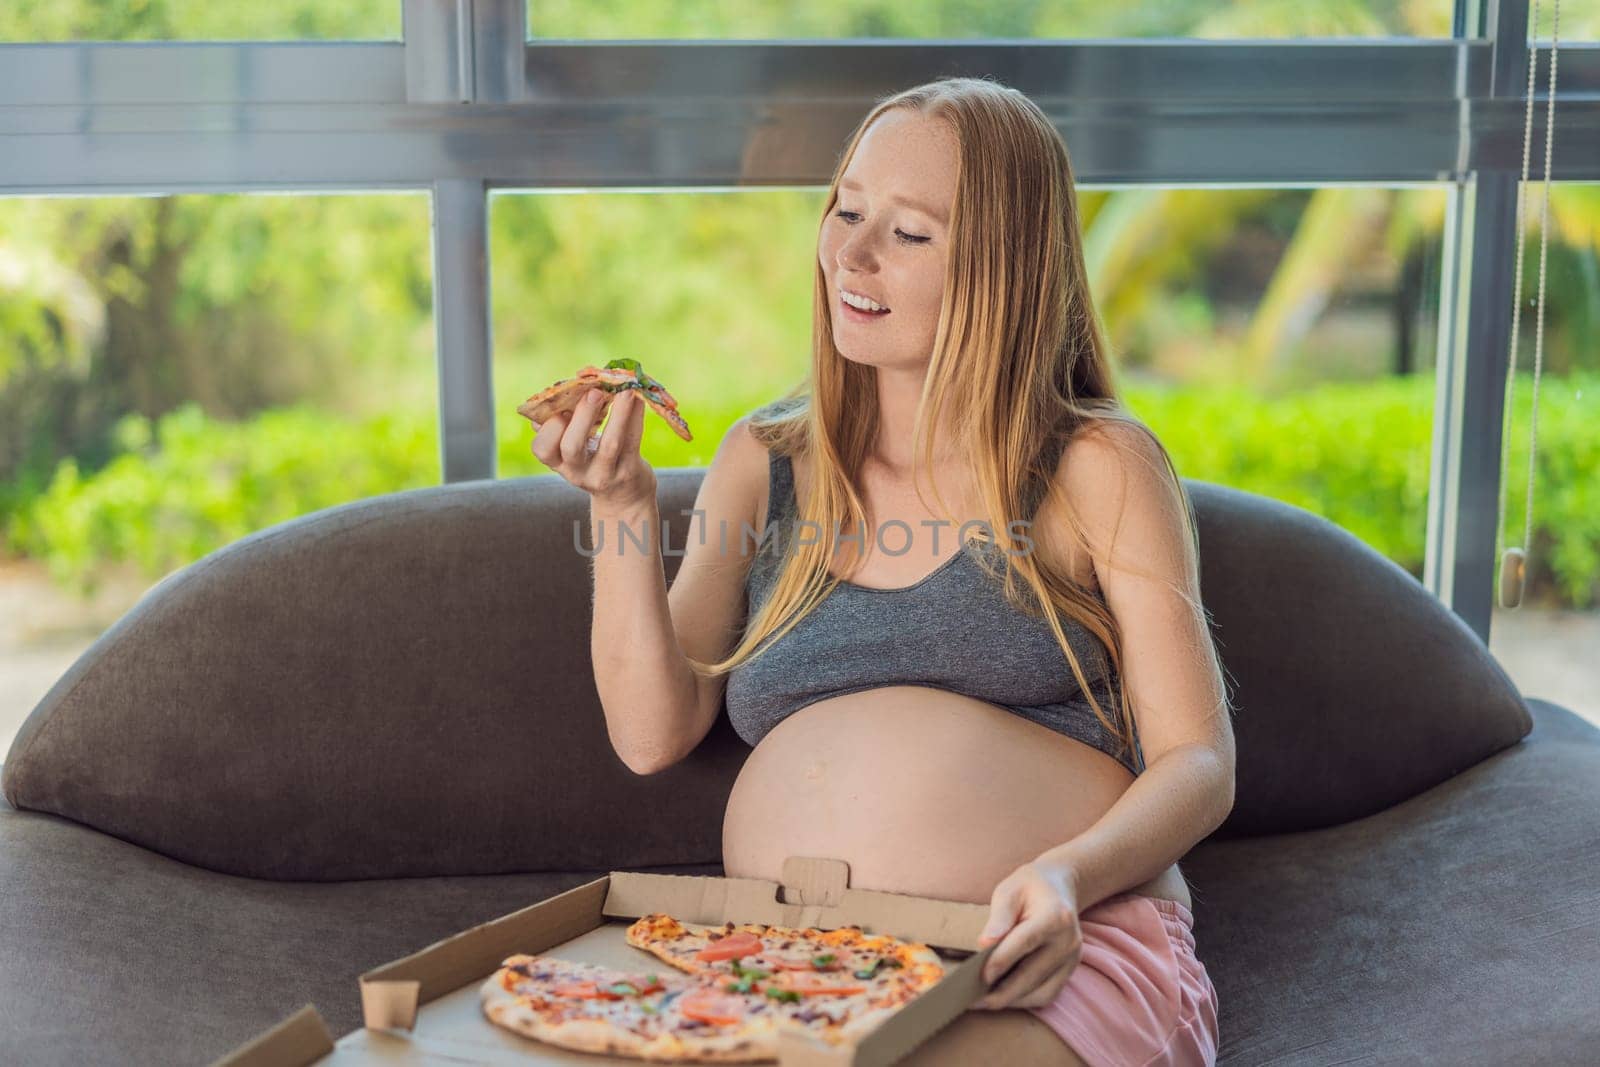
column 908, row 238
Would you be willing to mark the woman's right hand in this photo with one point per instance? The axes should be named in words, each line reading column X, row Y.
column 614, row 474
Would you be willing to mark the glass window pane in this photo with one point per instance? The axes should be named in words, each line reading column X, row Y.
column 24, row 21
column 1580, row 21
column 1547, row 644
column 1282, row 341
column 710, row 292
column 1279, row 340
column 954, row 19
column 181, row 371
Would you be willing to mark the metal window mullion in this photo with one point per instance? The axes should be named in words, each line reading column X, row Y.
column 136, row 117
column 438, row 51
column 499, row 35
column 462, row 329
column 1474, row 343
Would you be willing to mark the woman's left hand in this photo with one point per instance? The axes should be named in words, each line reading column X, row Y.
column 1034, row 915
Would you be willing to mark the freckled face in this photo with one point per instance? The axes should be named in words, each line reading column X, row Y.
column 887, row 237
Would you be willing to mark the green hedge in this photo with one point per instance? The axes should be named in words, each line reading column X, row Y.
column 1357, row 454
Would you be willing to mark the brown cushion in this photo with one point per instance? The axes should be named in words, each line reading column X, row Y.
column 396, row 687
column 1353, row 687
column 401, row 687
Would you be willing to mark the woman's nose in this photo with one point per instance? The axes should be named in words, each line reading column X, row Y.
column 857, row 251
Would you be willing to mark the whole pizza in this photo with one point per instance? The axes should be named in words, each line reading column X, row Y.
column 723, row 996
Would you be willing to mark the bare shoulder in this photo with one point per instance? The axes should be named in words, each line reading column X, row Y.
column 1132, row 508
column 1106, row 467
column 1109, row 456
column 735, row 483
column 740, row 447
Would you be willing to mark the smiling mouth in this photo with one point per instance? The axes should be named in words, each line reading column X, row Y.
column 851, row 307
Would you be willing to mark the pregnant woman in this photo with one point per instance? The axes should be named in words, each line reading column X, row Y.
column 1009, row 699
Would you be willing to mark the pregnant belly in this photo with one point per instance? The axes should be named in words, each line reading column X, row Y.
column 921, row 791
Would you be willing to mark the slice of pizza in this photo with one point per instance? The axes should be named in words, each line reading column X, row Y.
column 668, row 1018
column 564, row 396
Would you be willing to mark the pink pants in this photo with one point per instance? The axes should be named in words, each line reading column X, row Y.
column 1138, row 997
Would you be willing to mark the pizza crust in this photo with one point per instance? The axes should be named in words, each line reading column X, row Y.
column 514, row 1013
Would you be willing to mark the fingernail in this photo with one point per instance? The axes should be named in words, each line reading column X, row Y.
column 594, row 396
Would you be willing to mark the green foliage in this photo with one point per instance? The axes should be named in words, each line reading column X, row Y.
column 1356, row 454
column 237, row 303
column 130, row 20
column 1359, row 455
column 187, row 485
column 165, row 20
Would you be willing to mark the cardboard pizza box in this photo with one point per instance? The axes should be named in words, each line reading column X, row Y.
column 425, row 1008
column 300, row 1039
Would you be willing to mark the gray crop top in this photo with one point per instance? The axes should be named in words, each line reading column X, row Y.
column 953, row 629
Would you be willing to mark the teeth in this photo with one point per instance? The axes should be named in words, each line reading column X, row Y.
column 861, row 302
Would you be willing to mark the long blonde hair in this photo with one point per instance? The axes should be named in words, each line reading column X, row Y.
column 1017, row 342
